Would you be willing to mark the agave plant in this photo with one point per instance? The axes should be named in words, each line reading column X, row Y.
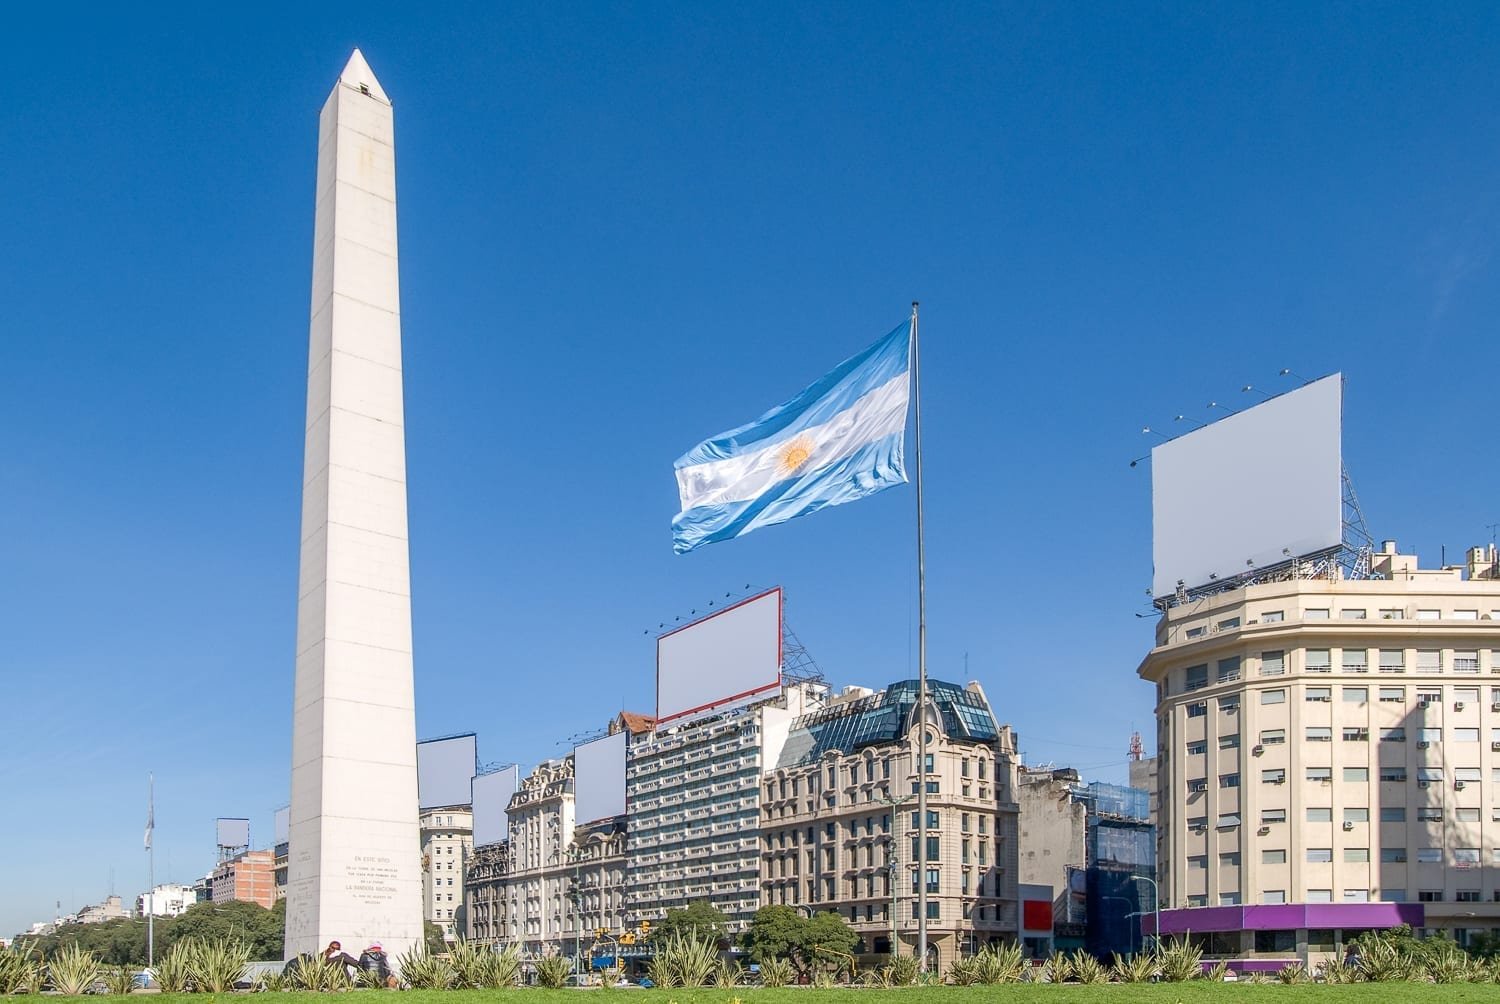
column 1293, row 974
column 1217, row 971
column 901, row 971
column 1448, row 968
column 1180, row 961
column 119, row 979
column 272, row 981
column 1336, row 970
column 217, row 965
column 421, row 970
column 499, row 969
column 467, row 960
column 999, row 964
column 1087, row 969
column 776, row 972
column 1057, row 968
column 172, row 971
column 728, row 974
column 20, row 968
column 1136, row 969
column 552, row 971
column 963, row 972
column 72, row 970
column 1382, row 962
column 319, row 975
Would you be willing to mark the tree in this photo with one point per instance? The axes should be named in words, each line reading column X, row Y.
column 260, row 929
column 781, row 932
column 775, row 933
column 699, row 921
column 432, row 937
column 827, row 938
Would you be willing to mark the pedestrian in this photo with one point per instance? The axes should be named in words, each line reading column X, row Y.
column 373, row 960
column 335, row 953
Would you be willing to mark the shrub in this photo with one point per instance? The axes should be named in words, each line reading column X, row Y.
column 901, row 971
column 683, row 961
column 1338, row 971
column 963, row 972
column 1181, row 961
column 20, row 968
column 171, row 972
column 553, row 971
column 216, row 966
column 72, row 971
column 272, row 981
column 728, row 974
column 1136, row 969
column 120, row 979
column 773, row 972
column 1087, row 969
column 1293, row 974
column 1217, row 971
column 998, row 964
column 421, row 970
column 1057, row 968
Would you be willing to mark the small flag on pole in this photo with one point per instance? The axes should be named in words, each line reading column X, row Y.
column 839, row 440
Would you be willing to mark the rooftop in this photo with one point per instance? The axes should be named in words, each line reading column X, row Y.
column 883, row 717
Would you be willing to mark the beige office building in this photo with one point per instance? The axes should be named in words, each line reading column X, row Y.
column 447, row 842
column 1331, row 747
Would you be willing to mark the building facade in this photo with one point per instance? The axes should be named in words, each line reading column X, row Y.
column 1330, row 748
column 693, row 804
column 839, row 829
column 167, row 900
column 249, row 877
column 447, row 841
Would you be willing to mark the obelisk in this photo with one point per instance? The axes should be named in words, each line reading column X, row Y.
column 354, row 869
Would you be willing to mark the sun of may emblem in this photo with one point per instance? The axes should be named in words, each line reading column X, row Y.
column 795, row 453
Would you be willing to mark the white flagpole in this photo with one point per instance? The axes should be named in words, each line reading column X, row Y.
column 151, row 869
column 921, row 830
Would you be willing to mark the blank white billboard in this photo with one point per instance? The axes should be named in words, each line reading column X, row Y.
column 721, row 661
column 283, row 826
column 233, row 832
column 445, row 769
column 492, row 794
column 1247, row 491
column 599, row 778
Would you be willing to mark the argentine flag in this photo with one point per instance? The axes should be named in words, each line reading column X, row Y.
column 839, row 440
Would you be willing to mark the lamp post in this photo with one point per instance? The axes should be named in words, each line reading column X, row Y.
column 575, row 858
column 1155, row 909
column 895, row 865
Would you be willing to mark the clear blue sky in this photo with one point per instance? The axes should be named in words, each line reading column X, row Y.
column 627, row 227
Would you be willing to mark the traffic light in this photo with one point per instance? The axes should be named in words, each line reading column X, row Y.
column 645, row 927
column 627, row 938
column 599, row 932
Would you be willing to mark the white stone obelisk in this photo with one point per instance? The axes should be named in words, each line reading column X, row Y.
column 354, row 868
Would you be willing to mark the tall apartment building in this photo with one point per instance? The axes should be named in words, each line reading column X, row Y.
column 838, row 825
column 1329, row 758
column 169, row 899
column 249, row 876
column 693, row 806
column 447, row 839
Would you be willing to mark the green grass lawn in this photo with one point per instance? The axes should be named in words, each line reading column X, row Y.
column 1167, row 993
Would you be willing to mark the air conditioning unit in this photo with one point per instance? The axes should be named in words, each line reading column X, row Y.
column 1423, row 744
column 1422, row 784
column 1257, row 749
column 1200, row 827
column 1280, row 780
column 1263, row 830
column 1495, row 747
column 1458, row 786
column 1495, row 706
column 1201, row 786
column 1458, row 705
column 1348, row 825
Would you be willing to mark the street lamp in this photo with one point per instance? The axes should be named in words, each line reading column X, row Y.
column 895, row 865
column 575, row 858
column 1155, row 909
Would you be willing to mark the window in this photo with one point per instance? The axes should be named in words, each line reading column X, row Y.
column 1323, row 695
column 1229, row 780
column 1392, row 660
column 1429, row 661
column 1197, row 710
column 1276, row 775
column 1466, row 735
column 1228, row 820
column 1355, row 695
column 1276, row 857
column 1319, row 814
column 1320, row 773
column 1229, row 899
column 1319, row 734
column 1273, row 815
column 1273, row 737
column 1393, row 814
column 1393, row 695
column 1466, row 815
column 1356, row 734
column 1469, row 775
column 1316, row 660
column 1197, row 822
column 1272, row 616
column 1356, row 815
column 1356, row 855
column 1273, row 697
column 1393, row 855
column 1272, row 663
column 1357, row 775
column 1429, row 855
column 1319, row 896
column 927, row 763
column 1229, row 624
column 1467, row 896
column 1195, row 677
column 1430, row 735
column 1229, row 669
column 1392, row 614
column 1428, row 615
column 1197, row 632
column 1430, row 774
column 1351, row 615
column 1230, row 859
column 1465, row 615
column 1465, row 661
column 1229, row 705
column 1197, row 861
column 1395, row 735
column 1357, row 895
column 1429, row 895
column 1229, row 742
column 1315, row 614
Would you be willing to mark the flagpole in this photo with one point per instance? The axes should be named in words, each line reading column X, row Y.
column 151, row 869
column 916, row 379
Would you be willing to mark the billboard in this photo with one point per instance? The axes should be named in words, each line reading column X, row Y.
column 721, row 661
column 1249, row 490
column 445, row 769
column 492, row 794
column 283, row 826
column 599, row 778
column 232, row 832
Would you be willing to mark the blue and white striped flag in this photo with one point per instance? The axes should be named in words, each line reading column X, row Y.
column 839, row 440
